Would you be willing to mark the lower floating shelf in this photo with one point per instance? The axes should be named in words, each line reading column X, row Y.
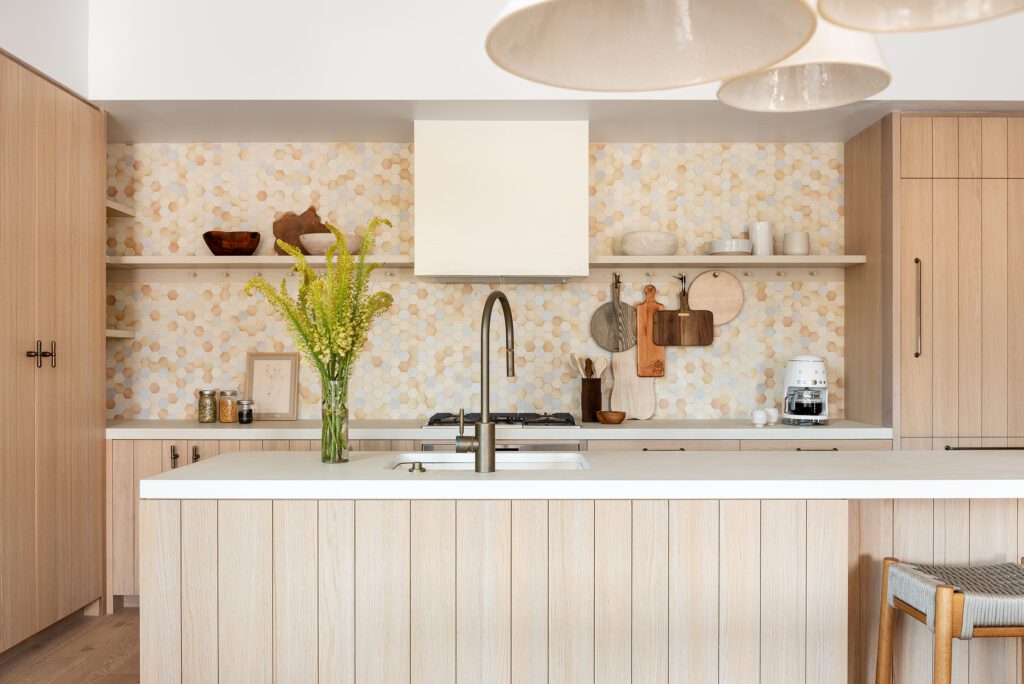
column 120, row 334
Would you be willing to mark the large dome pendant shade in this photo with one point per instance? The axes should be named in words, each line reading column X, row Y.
column 639, row 45
column 837, row 67
column 880, row 16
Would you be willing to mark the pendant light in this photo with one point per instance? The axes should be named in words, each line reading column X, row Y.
column 913, row 15
column 838, row 66
column 637, row 45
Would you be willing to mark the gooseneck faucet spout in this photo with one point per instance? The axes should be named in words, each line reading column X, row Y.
column 482, row 443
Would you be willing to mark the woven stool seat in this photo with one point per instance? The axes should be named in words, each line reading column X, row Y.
column 993, row 594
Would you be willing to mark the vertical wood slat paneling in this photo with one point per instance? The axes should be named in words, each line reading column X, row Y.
column 916, row 371
column 571, row 591
column 1015, row 147
column 994, row 305
column 912, row 542
column 296, row 648
column 529, row 592
column 336, row 582
column 245, row 591
column 916, row 147
column 970, row 319
column 952, row 519
column 993, row 147
column 613, row 591
column 827, row 578
column 783, row 578
column 969, row 133
column 381, row 591
column 693, row 591
column 650, row 591
column 945, row 309
column 739, row 647
column 123, row 523
column 148, row 462
column 160, row 618
column 993, row 539
column 484, row 591
column 199, row 660
column 871, row 542
column 432, row 587
column 1015, row 303
column 945, row 142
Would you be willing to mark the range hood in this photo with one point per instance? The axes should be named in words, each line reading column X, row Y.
column 501, row 201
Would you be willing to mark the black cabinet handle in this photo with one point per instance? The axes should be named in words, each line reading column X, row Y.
column 37, row 354
column 174, row 456
column 679, row 449
column 195, row 454
column 968, row 448
column 832, row 449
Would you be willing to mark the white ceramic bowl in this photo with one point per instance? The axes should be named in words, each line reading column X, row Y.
column 317, row 243
column 725, row 247
column 648, row 243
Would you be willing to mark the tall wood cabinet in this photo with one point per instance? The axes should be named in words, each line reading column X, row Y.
column 52, row 169
column 961, row 285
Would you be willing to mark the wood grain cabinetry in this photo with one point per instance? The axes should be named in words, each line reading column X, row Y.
column 495, row 591
column 960, row 310
column 816, row 444
column 52, row 179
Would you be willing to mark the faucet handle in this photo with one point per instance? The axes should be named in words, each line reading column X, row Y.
column 462, row 422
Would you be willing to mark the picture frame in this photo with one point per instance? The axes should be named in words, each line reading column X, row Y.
column 272, row 382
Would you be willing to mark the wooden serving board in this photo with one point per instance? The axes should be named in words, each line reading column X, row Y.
column 684, row 327
column 719, row 292
column 613, row 325
column 631, row 394
column 650, row 358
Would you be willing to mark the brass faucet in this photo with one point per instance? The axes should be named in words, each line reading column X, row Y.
column 482, row 441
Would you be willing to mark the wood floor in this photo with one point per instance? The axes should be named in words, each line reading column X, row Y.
column 78, row 650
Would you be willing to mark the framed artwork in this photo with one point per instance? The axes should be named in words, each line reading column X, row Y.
column 272, row 382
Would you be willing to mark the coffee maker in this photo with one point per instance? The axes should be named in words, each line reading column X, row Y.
column 806, row 391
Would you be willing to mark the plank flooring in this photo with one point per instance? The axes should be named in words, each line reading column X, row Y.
column 97, row 650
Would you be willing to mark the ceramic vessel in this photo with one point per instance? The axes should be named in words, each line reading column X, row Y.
column 232, row 243
column 648, row 243
column 726, row 247
column 317, row 243
column 796, row 244
column 611, row 417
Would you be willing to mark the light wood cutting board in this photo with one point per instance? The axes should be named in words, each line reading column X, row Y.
column 631, row 394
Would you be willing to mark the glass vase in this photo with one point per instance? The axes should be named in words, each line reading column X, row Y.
column 334, row 446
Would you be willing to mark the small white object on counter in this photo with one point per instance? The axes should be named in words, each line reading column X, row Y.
column 773, row 415
column 759, row 417
column 611, row 475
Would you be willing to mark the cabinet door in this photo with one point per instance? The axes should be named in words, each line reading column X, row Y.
column 916, row 352
column 19, row 207
column 1015, row 307
column 944, row 346
column 816, row 445
column 663, row 445
column 916, row 147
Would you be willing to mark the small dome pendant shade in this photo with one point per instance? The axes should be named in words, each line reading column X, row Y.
column 837, row 67
column 880, row 16
column 638, row 45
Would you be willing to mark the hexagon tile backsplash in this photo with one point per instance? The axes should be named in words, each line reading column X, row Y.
column 423, row 355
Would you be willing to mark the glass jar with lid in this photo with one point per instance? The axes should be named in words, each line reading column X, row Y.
column 206, row 410
column 246, row 411
column 228, row 406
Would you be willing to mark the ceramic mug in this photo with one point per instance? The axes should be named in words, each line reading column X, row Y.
column 773, row 415
column 759, row 417
column 796, row 244
column 761, row 237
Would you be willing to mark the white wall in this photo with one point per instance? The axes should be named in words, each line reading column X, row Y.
column 50, row 35
column 412, row 50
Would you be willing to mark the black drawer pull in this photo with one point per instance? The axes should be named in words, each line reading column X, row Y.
column 679, row 449
column 174, row 456
column 195, row 454
column 968, row 448
column 832, row 449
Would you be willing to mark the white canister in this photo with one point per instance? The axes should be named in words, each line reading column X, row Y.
column 759, row 417
column 796, row 244
column 761, row 237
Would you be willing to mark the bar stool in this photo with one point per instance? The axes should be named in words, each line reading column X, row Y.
column 955, row 602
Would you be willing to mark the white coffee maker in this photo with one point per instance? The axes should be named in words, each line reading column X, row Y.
column 806, row 391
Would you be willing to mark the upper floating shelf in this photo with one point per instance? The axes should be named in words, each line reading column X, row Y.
column 118, row 210
column 685, row 261
column 235, row 262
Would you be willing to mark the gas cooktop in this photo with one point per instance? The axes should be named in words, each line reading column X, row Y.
column 506, row 419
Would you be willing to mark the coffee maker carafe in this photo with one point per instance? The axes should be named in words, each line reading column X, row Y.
column 806, row 391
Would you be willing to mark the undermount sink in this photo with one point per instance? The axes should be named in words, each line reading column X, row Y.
column 517, row 460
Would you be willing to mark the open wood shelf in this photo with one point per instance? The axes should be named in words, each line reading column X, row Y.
column 238, row 262
column 120, row 334
column 118, row 210
column 705, row 261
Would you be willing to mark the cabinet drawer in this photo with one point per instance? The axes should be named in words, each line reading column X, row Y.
column 663, row 445
column 816, row 445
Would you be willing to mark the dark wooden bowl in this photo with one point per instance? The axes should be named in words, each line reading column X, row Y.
column 611, row 417
column 232, row 243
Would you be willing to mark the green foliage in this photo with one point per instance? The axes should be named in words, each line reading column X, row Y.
column 330, row 317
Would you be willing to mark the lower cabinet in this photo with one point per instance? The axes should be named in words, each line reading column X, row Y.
column 816, row 445
column 663, row 445
column 495, row 591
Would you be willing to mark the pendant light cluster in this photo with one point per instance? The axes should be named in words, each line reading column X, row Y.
column 773, row 55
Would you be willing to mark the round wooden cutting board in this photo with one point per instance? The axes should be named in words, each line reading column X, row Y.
column 719, row 292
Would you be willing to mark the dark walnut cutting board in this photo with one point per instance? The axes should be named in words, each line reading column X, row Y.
column 650, row 358
column 684, row 327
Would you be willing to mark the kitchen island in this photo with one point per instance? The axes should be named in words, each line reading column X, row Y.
column 642, row 566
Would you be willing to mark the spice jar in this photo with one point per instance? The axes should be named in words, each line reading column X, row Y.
column 207, row 408
column 228, row 406
column 246, row 411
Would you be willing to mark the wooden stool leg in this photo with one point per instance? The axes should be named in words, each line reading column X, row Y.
column 886, row 628
column 943, row 635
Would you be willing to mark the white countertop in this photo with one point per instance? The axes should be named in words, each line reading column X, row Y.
column 612, row 475
column 414, row 430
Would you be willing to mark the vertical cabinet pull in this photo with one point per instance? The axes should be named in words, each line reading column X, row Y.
column 195, row 454
column 174, row 456
column 36, row 354
column 52, row 354
column 917, row 322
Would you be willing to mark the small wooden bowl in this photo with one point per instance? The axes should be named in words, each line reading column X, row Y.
column 232, row 243
column 611, row 417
